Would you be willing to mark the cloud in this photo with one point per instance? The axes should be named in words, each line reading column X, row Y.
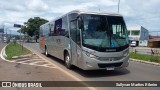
column 140, row 12
column 84, row 4
column 36, row 5
column 68, row 8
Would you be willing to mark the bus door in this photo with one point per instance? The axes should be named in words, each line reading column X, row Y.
column 75, row 43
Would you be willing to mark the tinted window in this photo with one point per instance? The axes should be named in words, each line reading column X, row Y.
column 61, row 27
column 64, row 30
column 51, row 29
column 58, row 27
column 40, row 31
column 104, row 32
column 45, row 29
column 75, row 33
column 73, row 26
column 73, row 16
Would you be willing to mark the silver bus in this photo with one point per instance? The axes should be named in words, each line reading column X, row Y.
column 86, row 39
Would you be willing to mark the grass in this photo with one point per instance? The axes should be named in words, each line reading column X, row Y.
column 14, row 49
column 145, row 57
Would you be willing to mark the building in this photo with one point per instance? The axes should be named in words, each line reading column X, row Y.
column 138, row 34
column 154, row 41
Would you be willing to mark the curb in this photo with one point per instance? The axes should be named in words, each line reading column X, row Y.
column 3, row 53
column 146, row 62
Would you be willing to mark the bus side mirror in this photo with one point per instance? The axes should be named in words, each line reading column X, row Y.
column 80, row 25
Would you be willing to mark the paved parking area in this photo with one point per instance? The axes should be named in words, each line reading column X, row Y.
column 33, row 60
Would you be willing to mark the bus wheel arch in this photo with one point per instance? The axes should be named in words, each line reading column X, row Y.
column 67, row 59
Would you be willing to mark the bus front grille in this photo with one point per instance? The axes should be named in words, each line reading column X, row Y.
column 104, row 65
column 110, row 58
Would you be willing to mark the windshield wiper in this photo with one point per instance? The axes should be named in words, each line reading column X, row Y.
column 116, row 40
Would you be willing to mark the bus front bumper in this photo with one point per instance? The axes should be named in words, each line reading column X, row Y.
column 94, row 64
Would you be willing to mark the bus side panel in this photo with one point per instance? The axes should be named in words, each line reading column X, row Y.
column 63, row 44
column 42, row 43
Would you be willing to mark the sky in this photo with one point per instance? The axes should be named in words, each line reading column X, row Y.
column 144, row 13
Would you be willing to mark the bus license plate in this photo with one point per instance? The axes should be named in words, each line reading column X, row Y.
column 110, row 68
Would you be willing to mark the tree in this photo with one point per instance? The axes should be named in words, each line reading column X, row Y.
column 31, row 27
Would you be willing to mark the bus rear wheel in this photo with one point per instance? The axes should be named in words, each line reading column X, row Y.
column 46, row 51
column 67, row 61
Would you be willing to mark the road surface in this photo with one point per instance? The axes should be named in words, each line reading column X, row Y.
column 135, row 72
column 10, row 71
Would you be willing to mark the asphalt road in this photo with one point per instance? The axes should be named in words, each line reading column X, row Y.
column 10, row 71
column 135, row 72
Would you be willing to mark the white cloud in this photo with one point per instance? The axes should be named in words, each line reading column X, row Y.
column 36, row 5
column 67, row 8
column 106, row 2
column 140, row 12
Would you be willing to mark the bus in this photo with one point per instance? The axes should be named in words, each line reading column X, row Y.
column 88, row 40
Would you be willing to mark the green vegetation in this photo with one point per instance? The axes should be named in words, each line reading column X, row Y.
column 14, row 49
column 31, row 27
column 145, row 57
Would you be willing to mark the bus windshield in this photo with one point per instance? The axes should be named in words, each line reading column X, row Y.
column 104, row 32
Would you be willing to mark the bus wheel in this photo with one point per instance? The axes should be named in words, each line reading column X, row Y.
column 68, row 61
column 46, row 52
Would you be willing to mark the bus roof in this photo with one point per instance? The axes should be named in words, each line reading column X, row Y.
column 86, row 12
column 94, row 12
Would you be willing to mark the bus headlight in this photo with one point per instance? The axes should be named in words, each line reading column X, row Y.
column 125, row 53
column 91, row 55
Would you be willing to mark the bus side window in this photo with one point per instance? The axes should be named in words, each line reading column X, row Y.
column 75, row 33
column 58, row 27
column 73, row 27
column 51, row 29
column 64, row 31
column 78, row 38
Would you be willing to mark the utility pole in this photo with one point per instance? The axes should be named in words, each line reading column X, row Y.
column 3, row 31
column 6, row 35
column 10, row 35
column 118, row 5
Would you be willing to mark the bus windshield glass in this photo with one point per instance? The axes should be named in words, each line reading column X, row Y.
column 104, row 32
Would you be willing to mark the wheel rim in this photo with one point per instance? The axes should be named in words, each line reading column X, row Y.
column 67, row 60
column 46, row 52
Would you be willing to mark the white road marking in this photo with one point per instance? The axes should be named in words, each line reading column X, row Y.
column 37, row 65
column 14, row 61
column 74, row 77
column 54, row 66
column 25, row 58
column 37, row 62
column 25, row 61
column 2, row 54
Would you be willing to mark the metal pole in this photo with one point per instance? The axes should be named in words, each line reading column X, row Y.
column 21, row 40
column 10, row 34
column 118, row 5
column 6, row 35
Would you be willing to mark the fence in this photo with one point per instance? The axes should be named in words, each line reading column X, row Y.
column 151, row 54
column 149, row 51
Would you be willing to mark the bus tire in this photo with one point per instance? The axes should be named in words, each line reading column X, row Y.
column 67, row 61
column 46, row 51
